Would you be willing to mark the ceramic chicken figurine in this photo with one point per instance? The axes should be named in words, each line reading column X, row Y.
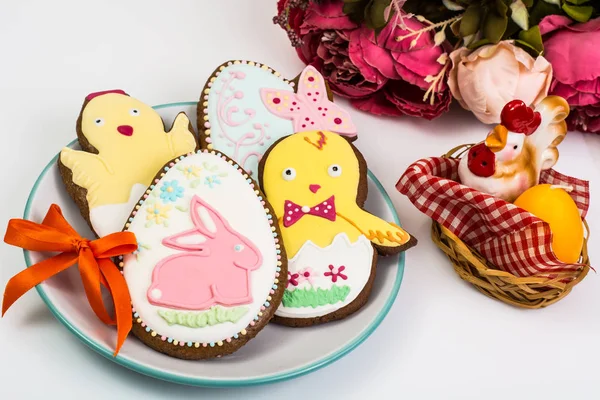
column 517, row 150
column 124, row 144
column 316, row 183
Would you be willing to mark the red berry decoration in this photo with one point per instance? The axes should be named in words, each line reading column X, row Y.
column 519, row 118
column 481, row 161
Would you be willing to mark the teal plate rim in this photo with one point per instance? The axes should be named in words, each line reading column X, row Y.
column 203, row 382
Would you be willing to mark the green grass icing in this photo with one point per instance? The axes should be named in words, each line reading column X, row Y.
column 314, row 297
column 216, row 315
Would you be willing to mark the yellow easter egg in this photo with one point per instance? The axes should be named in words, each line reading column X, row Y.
column 555, row 206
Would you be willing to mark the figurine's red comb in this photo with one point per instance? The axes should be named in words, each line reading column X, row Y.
column 96, row 94
column 519, row 118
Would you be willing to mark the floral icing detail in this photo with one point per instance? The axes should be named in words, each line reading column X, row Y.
column 312, row 297
column 157, row 214
column 141, row 247
column 292, row 279
column 307, row 275
column 212, row 181
column 336, row 273
column 190, row 171
column 171, row 191
column 227, row 97
column 216, row 315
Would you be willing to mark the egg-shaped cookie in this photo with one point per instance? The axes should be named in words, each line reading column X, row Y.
column 210, row 267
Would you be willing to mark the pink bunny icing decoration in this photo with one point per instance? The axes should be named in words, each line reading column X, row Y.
column 213, row 268
column 309, row 108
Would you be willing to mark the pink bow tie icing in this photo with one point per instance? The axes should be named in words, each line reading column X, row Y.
column 293, row 212
column 309, row 108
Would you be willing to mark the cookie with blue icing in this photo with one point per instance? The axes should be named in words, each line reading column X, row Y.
column 246, row 106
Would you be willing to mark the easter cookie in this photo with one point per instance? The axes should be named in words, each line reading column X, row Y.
column 317, row 184
column 210, row 269
column 246, row 106
column 123, row 144
column 516, row 151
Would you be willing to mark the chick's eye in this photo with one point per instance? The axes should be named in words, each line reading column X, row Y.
column 334, row 170
column 515, row 147
column 99, row 121
column 134, row 112
column 288, row 174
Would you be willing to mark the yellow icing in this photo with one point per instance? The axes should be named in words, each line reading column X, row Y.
column 122, row 161
column 311, row 154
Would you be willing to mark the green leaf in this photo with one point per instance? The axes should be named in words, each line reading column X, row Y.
column 577, row 2
column 501, row 7
column 578, row 13
column 511, row 30
column 519, row 14
column 527, row 47
column 555, row 2
column 469, row 23
column 375, row 13
column 452, row 6
column 494, row 26
column 528, row 3
column 542, row 9
column 533, row 38
column 478, row 43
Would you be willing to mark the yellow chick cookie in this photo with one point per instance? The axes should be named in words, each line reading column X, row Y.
column 317, row 183
column 124, row 144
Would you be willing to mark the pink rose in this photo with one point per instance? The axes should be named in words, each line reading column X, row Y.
column 573, row 51
column 380, row 75
column 484, row 80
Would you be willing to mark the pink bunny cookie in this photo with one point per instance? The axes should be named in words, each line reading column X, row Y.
column 210, row 269
column 213, row 268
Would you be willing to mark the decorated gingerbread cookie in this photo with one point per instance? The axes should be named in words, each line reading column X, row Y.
column 210, row 268
column 317, row 184
column 246, row 106
column 123, row 144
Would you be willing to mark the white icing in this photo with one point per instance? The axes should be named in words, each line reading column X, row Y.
column 237, row 202
column 241, row 125
column 357, row 257
column 206, row 219
column 110, row 218
column 194, row 238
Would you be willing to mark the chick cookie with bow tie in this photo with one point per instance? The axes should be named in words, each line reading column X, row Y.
column 317, row 184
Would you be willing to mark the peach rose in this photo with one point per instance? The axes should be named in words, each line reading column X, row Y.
column 484, row 80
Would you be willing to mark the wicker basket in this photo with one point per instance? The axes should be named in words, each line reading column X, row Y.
column 527, row 292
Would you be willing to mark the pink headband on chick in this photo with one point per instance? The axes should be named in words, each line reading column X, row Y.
column 96, row 94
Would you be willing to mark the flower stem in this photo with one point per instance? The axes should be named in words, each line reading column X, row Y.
column 442, row 24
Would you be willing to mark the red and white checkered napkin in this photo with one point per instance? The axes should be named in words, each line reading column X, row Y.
column 509, row 237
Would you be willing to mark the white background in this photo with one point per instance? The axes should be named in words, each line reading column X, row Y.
column 441, row 339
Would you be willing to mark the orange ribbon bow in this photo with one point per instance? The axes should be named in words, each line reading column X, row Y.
column 55, row 234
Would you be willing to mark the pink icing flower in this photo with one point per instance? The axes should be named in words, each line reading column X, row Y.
column 571, row 48
column 307, row 274
column 292, row 279
column 336, row 273
column 379, row 74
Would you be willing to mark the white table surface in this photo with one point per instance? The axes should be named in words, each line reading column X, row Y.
column 441, row 339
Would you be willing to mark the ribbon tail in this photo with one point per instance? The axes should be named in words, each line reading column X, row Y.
column 25, row 280
column 121, row 299
column 90, row 275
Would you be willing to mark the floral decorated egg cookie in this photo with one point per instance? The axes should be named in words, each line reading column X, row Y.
column 210, row 268
column 246, row 106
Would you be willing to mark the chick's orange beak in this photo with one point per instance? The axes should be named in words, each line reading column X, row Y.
column 496, row 139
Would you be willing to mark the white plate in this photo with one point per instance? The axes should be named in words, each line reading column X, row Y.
column 277, row 353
